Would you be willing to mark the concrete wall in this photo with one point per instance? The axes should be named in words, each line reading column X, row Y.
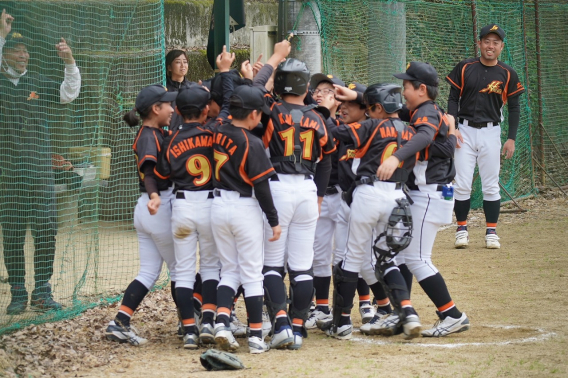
column 187, row 28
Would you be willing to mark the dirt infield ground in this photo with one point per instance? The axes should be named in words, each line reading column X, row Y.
column 516, row 298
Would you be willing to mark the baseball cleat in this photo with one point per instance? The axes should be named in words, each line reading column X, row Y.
column 237, row 327
column 190, row 341
column 298, row 340
column 257, row 345
column 206, row 334
column 344, row 332
column 411, row 327
column 371, row 327
column 316, row 316
column 462, row 239
column 367, row 312
column 447, row 326
column 122, row 334
column 492, row 241
column 387, row 325
column 282, row 338
column 224, row 338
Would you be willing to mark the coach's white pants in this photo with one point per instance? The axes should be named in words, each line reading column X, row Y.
column 481, row 147
column 325, row 230
column 430, row 211
column 155, row 242
column 371, row 208
column 191, row 223
column 238, row 232
column 295, row 199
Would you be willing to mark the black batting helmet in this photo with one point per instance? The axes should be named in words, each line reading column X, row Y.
column 388, row 95
column 292, row 77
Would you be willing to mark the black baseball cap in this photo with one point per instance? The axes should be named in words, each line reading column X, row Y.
column 152, row 94
column 492, row 28
column 194, row 96
column 318, row 78
column 420, row 71
column 14, row 38
column 359, row 88
column 247, row 97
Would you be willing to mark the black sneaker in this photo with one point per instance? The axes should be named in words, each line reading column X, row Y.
column 42, row 299
column 19, row 300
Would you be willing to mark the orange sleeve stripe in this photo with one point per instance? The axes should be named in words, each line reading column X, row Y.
column 447, row 306
column 153, row 158
column 242, row 172
column 267, row 136
column 517, row 91
column 160, row 176
column 126, row 309
column 157, row 143
column 352, row 129
column 429, row 124
column 262, row 174
column 330, row 151
column 451, row 81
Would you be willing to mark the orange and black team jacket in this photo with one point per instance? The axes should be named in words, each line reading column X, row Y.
column 240, row 160
column 187, row 159
column 147, row 147
column 375, row 140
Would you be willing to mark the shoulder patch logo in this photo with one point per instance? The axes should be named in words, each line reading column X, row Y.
column 33, row 95
column 493, row 87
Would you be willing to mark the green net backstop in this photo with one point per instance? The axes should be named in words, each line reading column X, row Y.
column 119, row 48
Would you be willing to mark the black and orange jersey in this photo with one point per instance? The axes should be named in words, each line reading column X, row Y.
column 345, row 154
column 331, row 124
column 240, row 159
column 187, row 158
column 147, row 147
column 283, row 139
column 432, row 168
column 484, row 89
column 375, row 140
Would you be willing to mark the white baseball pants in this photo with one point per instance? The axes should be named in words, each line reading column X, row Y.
column 155, row 242
column 238, row 234
column 481, row 147
column 191, row 223
column 324, row 235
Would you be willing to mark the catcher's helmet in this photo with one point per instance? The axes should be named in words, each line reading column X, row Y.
column 292, row 77
column 399, row 226
column 388, row 95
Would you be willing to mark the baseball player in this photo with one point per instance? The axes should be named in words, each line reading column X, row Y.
column 480, row 87
column 27, row 164
column 242, row 194
column 432, row 194
column 297, row 141
column 187, row 160
column 153, row 104
column 376, row 140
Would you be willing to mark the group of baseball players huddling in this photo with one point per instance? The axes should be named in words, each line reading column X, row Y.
column 274, row 172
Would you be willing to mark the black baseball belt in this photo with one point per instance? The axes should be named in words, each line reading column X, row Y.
column 181, row 195
column 476, row 125
column 366, row 180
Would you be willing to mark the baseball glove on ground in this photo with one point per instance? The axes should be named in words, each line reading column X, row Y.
column 213, row 359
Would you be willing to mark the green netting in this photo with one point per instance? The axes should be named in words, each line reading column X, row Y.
column 119, row 48
column 368, row 40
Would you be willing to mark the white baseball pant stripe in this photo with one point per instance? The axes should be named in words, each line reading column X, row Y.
column 430, row 211
column 295, row 198
column 155, row 241
column 238, row 232
column 482, row 147
column 325, row 230
column 370, row 210
column 191, row 223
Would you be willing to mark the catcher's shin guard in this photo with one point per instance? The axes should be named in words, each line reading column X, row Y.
column 272, row 307
column 396, row 291
column 299, row 313
column 339, row 305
